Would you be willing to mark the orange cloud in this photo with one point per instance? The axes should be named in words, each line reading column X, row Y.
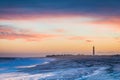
column 81, row 38
column 77, row 38
column 11, row 33
column 89, row 41
column 59, row 30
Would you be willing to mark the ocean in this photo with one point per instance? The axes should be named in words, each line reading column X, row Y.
column 107, row 68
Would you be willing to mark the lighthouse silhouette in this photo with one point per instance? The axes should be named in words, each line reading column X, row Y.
column 93, row 50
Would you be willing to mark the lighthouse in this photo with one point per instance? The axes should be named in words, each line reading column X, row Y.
column 93, row 50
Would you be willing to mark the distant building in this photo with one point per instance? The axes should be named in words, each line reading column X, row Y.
column 93, row 50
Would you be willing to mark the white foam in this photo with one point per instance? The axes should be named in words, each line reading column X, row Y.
column 24, row 76
column 30, row 66
column 98, row 71
column 26, row 66
column 45, row 63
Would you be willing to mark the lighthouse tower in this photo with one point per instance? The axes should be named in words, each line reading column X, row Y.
column 93, row 50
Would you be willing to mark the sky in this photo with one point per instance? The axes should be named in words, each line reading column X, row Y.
column 42, row 27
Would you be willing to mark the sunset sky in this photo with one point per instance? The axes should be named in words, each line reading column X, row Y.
column 40, row 27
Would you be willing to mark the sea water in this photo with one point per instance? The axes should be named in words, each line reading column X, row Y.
column 62, row 69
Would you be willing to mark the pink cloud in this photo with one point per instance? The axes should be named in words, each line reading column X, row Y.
column 112, row 22
column 11, row 33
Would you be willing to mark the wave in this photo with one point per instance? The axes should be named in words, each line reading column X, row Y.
column 19, row 63
column 24, row 76
column 44, row 69
column 96, row 72
column 30, row 66
column 66, row 74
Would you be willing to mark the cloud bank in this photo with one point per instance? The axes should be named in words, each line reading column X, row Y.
column 11, row 33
